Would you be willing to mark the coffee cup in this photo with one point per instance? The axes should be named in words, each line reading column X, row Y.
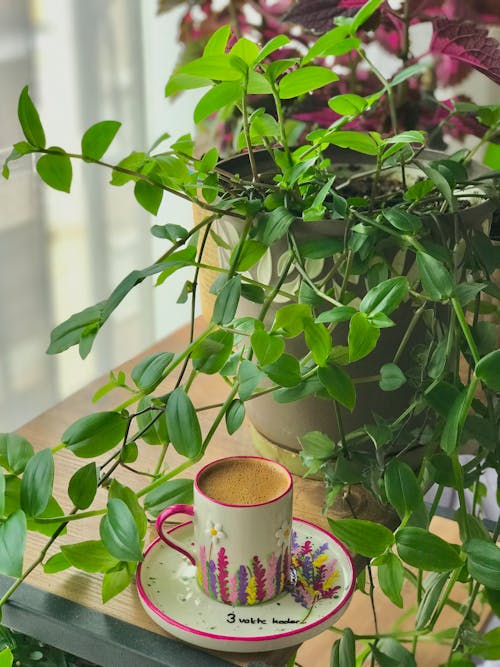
column 242, row 517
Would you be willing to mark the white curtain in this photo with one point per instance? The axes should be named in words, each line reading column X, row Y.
column 59, row 253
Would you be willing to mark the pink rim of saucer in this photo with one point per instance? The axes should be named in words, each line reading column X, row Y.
column 201, row 633
column 256, row 458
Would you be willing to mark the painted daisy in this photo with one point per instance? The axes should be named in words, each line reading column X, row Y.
column 283, row 534
column 215, row 532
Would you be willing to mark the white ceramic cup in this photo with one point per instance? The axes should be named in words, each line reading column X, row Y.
column 241, row 536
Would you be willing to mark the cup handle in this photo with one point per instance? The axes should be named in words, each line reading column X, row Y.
column 164, row 514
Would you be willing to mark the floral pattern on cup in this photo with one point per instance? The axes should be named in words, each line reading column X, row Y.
column 315, row 573
column 215, row 532
column 245, row 584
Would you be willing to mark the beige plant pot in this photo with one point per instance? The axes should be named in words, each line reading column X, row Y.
column 278, row 427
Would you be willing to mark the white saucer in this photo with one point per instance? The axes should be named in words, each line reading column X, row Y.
column 325, row 582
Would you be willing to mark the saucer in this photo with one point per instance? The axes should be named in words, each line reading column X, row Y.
column 325, row 578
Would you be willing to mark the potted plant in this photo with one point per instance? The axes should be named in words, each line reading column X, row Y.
column 360, row 234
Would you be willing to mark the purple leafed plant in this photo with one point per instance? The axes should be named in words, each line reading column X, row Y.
column 460, row 43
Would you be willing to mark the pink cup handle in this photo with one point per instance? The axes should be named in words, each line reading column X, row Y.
column 164, row 514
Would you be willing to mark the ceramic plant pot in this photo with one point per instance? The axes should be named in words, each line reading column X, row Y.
column 278, row 427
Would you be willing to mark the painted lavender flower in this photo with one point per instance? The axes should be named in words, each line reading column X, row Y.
column 245, row 584
column 315, row 573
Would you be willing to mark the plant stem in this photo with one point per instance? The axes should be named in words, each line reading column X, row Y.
column 71, row 517
column 160, row 461
column 404, row 341
column 465, row 329
column 387, row 88
column 246, row 129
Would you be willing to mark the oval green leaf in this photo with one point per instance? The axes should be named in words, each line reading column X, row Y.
column 119, row 532
column 362, row 537
column 338, row 384
column 235, row 416
column 488, row 370
column 385, row 297
column 426, row 551
column 82, row 486
column 183, row 424
column 362, row 337
column 401, row 487
column 12, row 543
column 149, row 372
column 172, row 492
column 55, row 170
column 15, row 452
column 483, row 562
column 37, row 483
column 95, row 434
column 227, row 301
column 30, row 120
column 89, row 556
column 98, row 138
column 437, row 282
column 305, row 80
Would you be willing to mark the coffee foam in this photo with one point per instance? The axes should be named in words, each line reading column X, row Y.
column 244, row 481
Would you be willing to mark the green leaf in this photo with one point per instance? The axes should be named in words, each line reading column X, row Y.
column 450, row 436
column 488, row 646
column 215, row 99
column 115, row 581
column 95, row 434
column 149, row 196
column 220, row 67
column 362, row 537
column 12, row 543
column 390, row 575
column 133, row 162
column 337, row 314
column 488, row 370
column 325, row 43
column 267, row 348
column 404, row 221
column 227, row 301
column 37, row 483
column 467, row 292
column 408, row 72
column 437, row 282
column 432, row 587
column 56, row 563
column 319, row 341
column 348, row 104
column 211, row 353
column 367, row 144
column 171, row 232
column 492, row 156
column 285, row 371
column 401, row 487
column 249, row 377
column 218, row 41
column 152, row 424
column 320, row 248
column 390, row 653
column 82, row 486
column 427, row 551
column 2, row 493
column 441, row 184
column 272, row 45
column 338, row 384
column 55, row 169
column 125, row 494
column 347, row 649
column 274, row 225
column 98, row 138
column 251, row 252
column 172, row 492
column 89, row 556
column 235, row 416
column 290, row 320
column 363, row 14
column 15, row 452
column 391, row 377
column 317, row 444
column 385, row 297
column 6, row 657
column 183, row 424
column 245, row 49
column 30, row 120
column 362, row 337
column 119, row 533
column 305, row 80
column 483, row 562
column 149, row 372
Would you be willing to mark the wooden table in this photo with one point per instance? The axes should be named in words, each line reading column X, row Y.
column 65, row 609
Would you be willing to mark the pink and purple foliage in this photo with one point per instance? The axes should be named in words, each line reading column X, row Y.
column 313, row 577
column 242, row 584
column 460, row 44
column 222, row 563
column 259, row 572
